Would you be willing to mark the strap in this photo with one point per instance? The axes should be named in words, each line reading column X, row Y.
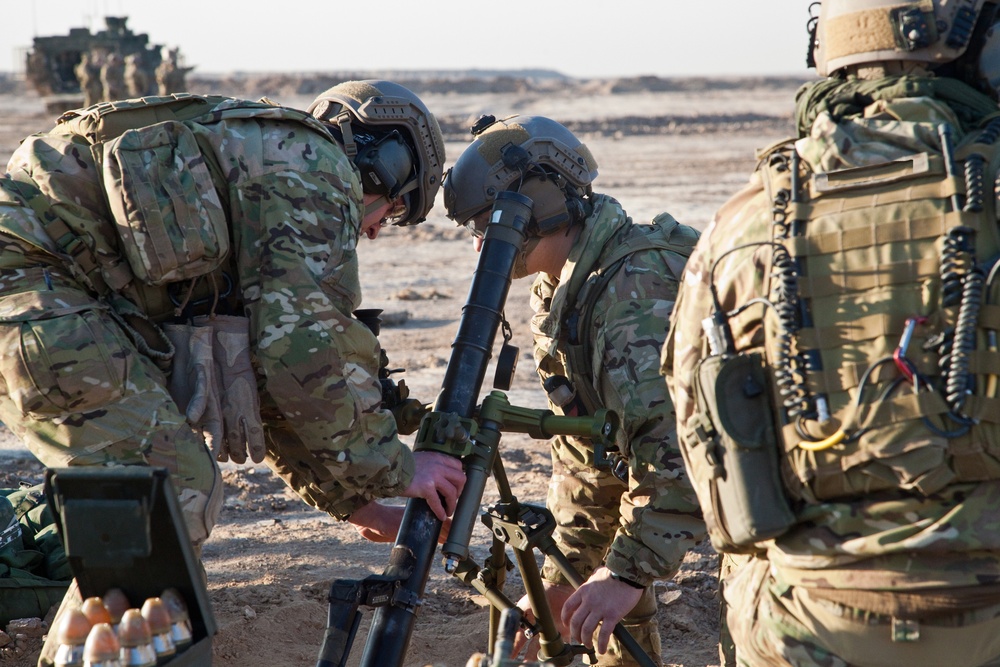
column 83, row 263
column 578, row 320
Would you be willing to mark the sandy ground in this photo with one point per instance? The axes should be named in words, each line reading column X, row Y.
column 676, row 146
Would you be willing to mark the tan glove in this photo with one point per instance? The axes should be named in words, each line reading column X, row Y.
column 193, row 383
column 244, row 431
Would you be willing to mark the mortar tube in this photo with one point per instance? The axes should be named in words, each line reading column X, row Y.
column 416, row 542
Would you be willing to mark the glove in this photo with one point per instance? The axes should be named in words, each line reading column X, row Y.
column 244, row 431
column 193, row 383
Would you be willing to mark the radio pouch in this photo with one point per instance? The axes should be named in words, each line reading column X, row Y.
column 745, row 489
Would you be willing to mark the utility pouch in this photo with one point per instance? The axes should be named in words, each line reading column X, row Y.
column 747, row 495
column 167, row 212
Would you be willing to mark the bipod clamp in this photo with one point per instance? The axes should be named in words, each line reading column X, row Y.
column 346, row 598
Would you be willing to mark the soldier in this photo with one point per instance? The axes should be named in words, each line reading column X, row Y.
column 833, row 355
column 234, row 257
column 170, row 75
column 113, row 77
column 627, row 519
column 136, row 75
column 88, row 72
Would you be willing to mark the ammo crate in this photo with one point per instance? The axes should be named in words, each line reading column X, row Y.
column 122, row 527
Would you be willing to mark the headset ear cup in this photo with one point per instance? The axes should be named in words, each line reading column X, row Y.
column 386, row 165
column 549, row 212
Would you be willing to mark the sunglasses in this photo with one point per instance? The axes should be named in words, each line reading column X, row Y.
column 477, row 223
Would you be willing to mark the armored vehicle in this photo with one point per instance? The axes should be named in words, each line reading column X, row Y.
column 51, row 64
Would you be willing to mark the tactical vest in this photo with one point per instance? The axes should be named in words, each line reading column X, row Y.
column 577, row 348
column 167, row 196
column 881, row 358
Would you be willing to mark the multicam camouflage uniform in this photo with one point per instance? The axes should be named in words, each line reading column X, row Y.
column 894, row 577
column 77, row 389
column 639, row 529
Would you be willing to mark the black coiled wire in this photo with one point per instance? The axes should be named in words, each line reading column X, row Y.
column 974, row 183
column 957, row 261
column 779, row 204
column 957, row 384
column 789, row 369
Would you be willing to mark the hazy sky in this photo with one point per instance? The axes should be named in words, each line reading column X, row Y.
column 583, row 38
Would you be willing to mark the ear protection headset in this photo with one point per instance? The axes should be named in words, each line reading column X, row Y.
column 554, row 207
column 386, row 165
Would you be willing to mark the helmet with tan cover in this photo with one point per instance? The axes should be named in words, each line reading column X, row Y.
column 958, row 38
column 393, row 139
column 533, row 155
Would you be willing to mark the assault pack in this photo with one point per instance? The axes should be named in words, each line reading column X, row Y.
column 881, row 360
column 166, row 194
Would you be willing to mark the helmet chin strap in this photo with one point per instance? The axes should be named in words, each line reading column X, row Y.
column 410, row 186
column 374, row 204
column 344, row 123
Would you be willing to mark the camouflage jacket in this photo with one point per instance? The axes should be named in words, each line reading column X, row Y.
column 294, row 208
column 886, row 541
column 660, row 519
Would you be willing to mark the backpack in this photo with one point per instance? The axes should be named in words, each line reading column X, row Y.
column 880, row 361
column 34, row 570
column 162, row 190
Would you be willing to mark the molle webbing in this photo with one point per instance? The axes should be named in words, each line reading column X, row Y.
column 868, row 247
column 83, row 264
column 108, row 120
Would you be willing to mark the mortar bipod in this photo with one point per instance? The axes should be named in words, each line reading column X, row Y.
column 525, row 527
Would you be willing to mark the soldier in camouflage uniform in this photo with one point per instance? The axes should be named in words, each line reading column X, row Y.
column 602, row 300
column 113, row 77
column 88, row 73
column 847, row 292
column 241, row 242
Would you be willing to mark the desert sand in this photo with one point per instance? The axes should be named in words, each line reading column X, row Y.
column 680, row 145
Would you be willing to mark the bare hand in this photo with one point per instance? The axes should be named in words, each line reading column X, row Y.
column 377, row 522
column 438, row 478
column 380, row 523
column 599, row 601
column 556, row 595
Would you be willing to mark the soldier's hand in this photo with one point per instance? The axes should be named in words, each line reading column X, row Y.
column 556, row 595
column 439, row 479
column 377, row 522
column 380, row 523
column 602, row 601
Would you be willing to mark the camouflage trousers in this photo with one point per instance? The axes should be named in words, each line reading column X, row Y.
column 728, row 563
column 77, row 392
column 776, row 625
column 584, row 502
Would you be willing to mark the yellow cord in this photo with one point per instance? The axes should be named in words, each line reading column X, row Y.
column 991, row 380
column 826, row 443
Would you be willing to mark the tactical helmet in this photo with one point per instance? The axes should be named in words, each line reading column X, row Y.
column 392, row 138
column 935, row 32
column 530, row 154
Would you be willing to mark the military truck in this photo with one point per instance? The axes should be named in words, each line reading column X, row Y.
column 50, row 65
